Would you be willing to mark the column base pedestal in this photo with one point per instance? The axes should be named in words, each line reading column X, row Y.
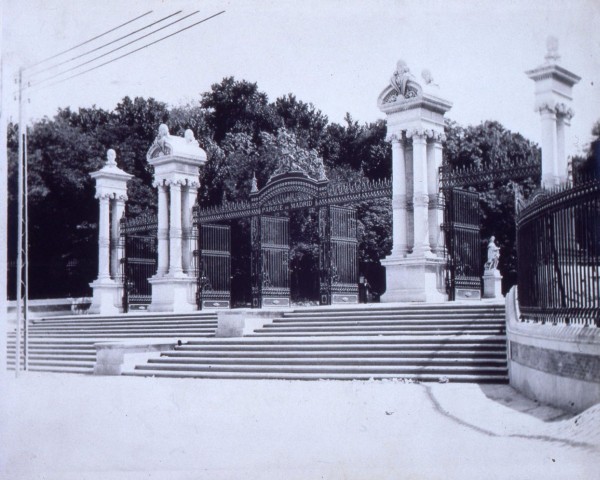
column 492, row 284
column 414, row 279
column 107, row 298
column 173, row 294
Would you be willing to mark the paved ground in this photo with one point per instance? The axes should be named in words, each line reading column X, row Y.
column 60, row 426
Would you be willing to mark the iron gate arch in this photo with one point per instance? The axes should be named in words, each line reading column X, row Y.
column 268, row 211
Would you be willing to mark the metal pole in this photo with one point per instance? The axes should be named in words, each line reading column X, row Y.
column 3, row 218
column 19, row 229
column 25, row 252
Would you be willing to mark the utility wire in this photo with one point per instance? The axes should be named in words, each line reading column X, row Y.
column 129, row 53
column 105, row 45
column 113, row 50
column 88, row 41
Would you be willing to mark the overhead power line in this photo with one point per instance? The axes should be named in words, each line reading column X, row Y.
column 87, row 41
column 113, row 50
column 107, row 44
column 126, row 54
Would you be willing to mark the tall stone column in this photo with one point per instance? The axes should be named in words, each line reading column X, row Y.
column 416, row 108
column 549, row 159
column 553, row 97
column 104, row 237
column 436, row 213
column 163, row 230
column 175, row 233
column 189, row 195
column 563, row 121
column 399, row 218
column 176, row 161
column 420, row 194
column 111, row 191
column 117, row 207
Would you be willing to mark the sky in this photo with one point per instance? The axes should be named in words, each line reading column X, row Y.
column 338, row 55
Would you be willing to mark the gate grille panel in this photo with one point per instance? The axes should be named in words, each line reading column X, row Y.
column 463, row 245
column 214, row 267
column 270, row 266
column 139, row 260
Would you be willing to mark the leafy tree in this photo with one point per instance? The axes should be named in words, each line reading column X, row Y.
column 587, row 166
column 484, row 146
column 238, row 107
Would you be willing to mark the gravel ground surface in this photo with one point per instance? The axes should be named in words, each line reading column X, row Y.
column 61, row 426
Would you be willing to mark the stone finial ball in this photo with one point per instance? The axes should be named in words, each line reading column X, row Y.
column 111, row 156
column 189, row 135
column 163, row 130
column 427, row 76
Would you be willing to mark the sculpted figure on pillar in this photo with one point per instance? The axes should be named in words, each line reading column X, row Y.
column 400, row 80
column 493, row 255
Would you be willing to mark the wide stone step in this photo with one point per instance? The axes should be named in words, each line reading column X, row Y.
column 458, row 378
column 128, row 317
column 335, row 340
column 123, row 328
column 59, row 369
column 355, row 369
column 384, row 321
column 263, row 332
column 67, row 356
column 335, row 353
column 320, row 361
column 381, row 325
column 123, row 323
column 396, row 316
column 58, row 363
column 418, row 312
column 100, row 335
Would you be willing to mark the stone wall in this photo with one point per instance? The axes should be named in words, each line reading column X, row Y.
column 555, row 364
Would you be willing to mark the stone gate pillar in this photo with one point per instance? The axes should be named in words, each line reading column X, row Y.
column 111, row 192
column 553, row 98
column 176, row 162
column 415, row 122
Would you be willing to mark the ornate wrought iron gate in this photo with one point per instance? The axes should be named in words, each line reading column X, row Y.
column 214, row 266
column 270, row 261
column 138, row 261
column 463, row 245
column 339, row 255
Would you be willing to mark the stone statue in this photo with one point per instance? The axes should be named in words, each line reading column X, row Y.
column 400, row 79
column 428, row 78
column 111, row 157
column 552, row 49
column 163, row 131
column 493, row 255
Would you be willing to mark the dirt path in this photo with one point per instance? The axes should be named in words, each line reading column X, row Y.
column 58, row 426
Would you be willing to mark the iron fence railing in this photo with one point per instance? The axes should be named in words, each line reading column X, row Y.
column 558, row 242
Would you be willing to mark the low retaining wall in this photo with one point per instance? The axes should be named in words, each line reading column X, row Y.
column 555, row 364
column 52, row 307
column 113, row 357
column 243, row 321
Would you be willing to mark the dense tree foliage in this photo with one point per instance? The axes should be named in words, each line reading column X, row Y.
column 587, row 166
column 484, row 146
column 245, row 135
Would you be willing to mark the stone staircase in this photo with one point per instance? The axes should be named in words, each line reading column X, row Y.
column 66, row 344
column 460, row 343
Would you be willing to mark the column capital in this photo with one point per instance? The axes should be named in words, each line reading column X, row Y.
column 563, row 111
column 546, row 109
column 436, row 137
column 395, row 138
column 419, row 134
